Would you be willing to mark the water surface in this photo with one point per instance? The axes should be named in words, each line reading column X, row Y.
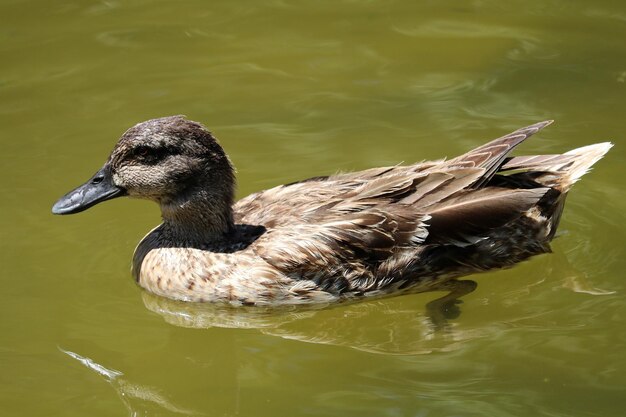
column 296, row 89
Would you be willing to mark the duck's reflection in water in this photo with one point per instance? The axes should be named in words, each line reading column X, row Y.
column 389, row 325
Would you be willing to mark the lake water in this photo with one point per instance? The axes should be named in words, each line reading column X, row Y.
column 293, row 90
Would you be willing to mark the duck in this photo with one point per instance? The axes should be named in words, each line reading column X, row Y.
column 327, row 239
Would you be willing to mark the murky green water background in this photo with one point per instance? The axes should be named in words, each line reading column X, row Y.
column 295, row 89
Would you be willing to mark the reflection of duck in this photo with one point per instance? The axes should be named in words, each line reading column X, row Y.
column 393, row 326
column 325, row 239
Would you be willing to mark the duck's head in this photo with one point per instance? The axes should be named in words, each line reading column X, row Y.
column 167, row 160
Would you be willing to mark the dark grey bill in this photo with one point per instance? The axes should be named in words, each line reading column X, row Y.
column 99, row 188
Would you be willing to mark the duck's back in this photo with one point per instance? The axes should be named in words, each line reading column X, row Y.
column 398, row 227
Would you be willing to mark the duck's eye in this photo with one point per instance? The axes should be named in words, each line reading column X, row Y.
column 149, row 155
column 141, row 151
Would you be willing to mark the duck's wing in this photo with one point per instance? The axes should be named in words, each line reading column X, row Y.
column 436, row 180
column 372, row 235
column 336, row 242
column 468, row 216
column 351, row 222
column 492, row 155
column 342, row 245
column 289, row 204
column 346, row 249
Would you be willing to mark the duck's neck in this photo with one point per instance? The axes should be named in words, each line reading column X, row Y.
column 201, row 217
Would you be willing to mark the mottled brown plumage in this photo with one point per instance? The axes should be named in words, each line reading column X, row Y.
column 325, row 239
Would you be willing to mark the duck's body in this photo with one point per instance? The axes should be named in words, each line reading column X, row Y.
column 325, row 239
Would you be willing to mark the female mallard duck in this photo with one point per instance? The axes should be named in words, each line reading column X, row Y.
column 324, row 239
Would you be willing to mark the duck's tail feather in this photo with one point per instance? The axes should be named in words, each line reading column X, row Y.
column 583, row 159
column 559, row 171
column 534, row 162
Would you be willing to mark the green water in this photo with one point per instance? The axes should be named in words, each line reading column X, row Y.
column 296, row 89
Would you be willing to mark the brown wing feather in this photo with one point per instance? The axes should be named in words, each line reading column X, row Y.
column 347, row 245
column 491, row 155
column 456, row 180
column 467, row 217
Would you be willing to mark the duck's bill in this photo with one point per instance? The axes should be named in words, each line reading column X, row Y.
column 99, row 188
